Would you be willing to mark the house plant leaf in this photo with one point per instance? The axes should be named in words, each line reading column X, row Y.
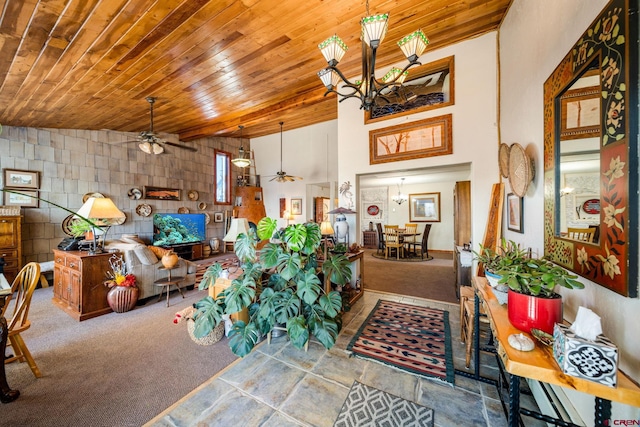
column 331, row 303
column 243, row 337
column 298, row 332
column 309, row 287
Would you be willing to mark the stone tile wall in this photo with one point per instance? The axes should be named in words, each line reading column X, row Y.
column 73, row 162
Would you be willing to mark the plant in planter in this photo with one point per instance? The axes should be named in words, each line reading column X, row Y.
column 280, row 286
column 493, row 261
column 533, row 302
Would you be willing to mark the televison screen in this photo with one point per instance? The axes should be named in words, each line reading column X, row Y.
column 175, row 229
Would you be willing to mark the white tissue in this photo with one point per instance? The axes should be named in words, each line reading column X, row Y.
column 587, row 324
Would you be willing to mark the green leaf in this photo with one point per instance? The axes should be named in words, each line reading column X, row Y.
column 337, row 268
column 210, row 276
column 239, row 295
column 312, row 242
column 331, row 304
column 325, row 330
column 289, row 306
column 309, row 287
column 297, row 331
column 245, row 247
column 266, row 227
column 295, row 236
column 289, row 265
column 243, row 337
column 207, row 316
column 269, row 255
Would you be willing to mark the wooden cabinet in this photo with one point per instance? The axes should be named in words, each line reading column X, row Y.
column 78, row 287
column 11, row 245
column 249, row 204
column 462, row 213
column 370, row 239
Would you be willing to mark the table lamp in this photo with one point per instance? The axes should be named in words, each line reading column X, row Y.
column 237, row 227
column 326, row 230
column 101, row 211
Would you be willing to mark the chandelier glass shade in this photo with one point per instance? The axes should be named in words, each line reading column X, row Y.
column 241, row 161
column 369, row 89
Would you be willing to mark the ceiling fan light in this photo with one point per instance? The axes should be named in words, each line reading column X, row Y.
column 329, row 78
column 413, row 45
column 157, row 148
column 374, row 28
column 146, row 147
column 333, row 49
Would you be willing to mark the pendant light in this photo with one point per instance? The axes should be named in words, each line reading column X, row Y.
column 241, row 161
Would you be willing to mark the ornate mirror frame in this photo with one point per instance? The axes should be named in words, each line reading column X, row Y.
column 612, row 262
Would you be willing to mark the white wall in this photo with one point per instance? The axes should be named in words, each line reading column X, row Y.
column 475, row 137
column 534, row 37
column 308, row 152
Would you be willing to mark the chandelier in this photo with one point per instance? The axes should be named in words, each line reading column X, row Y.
column 369, row 88
column 400, row 198
column 241, row 161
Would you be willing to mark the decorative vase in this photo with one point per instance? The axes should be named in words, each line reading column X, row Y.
column 122, row 298
column 215, row 244
column 492, row 278
column 527, row 312
column 169, row 260
column 341, row 228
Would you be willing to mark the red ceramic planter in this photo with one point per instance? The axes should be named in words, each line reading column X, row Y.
column 527, row 312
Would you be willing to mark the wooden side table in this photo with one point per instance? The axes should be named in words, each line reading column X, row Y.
column 167, row 282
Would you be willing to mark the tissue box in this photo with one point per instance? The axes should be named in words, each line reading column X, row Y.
column 592, row 360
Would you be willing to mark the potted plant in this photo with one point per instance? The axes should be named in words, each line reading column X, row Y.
column 283, row 284
column 123, row 294
column 532, row 300
column 505, row 256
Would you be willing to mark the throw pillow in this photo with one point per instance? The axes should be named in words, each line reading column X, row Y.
column 145, row 255
column 158, row 251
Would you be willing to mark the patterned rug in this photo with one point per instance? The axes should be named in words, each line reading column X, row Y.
column 405, row 259
column 407, row 337
column 368, row 406
column 203, row 265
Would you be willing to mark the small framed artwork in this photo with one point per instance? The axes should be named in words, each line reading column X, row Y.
column 424, row 207
column 580, row 113
column 415, row 140
column 218, row 217
column 14, row 178
column 24, row 198
column 514, row 213
column 159, row 193
column 296, row 206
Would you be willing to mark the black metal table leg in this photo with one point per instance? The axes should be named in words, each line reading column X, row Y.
column 603, row 411
column 476, row 334
column 6, row 393
column 514, row 401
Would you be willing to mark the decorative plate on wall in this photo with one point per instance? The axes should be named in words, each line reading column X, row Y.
column 183, row 209
column 135, row 194
column 207, row 218
column 521, row 170
column 202, row 206
column 193, row 195
column 143, row 210
column 66, row 225
column 96, row 195
column 373, row 210
column 503, row 159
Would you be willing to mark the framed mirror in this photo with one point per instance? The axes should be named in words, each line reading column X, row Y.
column 591, row 153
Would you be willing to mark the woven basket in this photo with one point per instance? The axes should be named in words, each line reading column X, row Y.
column 9, row 210
column 213, row 337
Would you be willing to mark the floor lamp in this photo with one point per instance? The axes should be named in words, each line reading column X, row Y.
column 237, row 227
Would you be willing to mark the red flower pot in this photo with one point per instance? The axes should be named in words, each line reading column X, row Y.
column 527, row 312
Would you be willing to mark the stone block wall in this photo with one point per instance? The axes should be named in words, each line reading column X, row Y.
column 73, row 163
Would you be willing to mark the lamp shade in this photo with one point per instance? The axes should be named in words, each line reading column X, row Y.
column 102, row 210
column 374, row 28
column 413, row 45
column 326, row 228
column 237, row 227
column 333, row 49
column 342, row 211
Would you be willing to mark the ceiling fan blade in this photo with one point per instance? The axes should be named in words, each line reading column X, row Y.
column 184, row 147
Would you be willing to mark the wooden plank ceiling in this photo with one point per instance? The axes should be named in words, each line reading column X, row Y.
column 212, row 64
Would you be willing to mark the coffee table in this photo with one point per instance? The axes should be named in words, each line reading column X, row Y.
column 167, row 282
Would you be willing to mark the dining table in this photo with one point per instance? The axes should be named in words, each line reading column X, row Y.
column 402, row 234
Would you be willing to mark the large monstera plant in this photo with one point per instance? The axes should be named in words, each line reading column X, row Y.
column 280, row 285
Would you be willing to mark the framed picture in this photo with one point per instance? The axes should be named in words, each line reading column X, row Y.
column 427, row 87
column 514, row 213
column 159, row 193
column 424, row 138
column 218, row 217
column 424, row 207
column 580, row 113
column 296, row 206
column 24, row 198
column 14, row 178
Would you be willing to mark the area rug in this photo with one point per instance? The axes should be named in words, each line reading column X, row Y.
column 202, row 266
column 407, row 337
column 368, row 406
column 406, row 259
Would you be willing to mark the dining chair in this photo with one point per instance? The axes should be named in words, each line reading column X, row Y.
column 22, row 290
column 409, row 237
column 583, row 234
column 392, row 237
column 381, row 246
column 424, row 250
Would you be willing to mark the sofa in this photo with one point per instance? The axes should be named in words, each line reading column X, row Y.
column 146, row 266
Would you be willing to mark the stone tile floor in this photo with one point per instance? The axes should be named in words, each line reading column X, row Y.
column 279, row 385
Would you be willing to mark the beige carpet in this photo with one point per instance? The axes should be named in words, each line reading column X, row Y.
column 433, row 279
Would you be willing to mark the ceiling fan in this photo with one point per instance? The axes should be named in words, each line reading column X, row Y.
column 281, row 176
column 148, row 140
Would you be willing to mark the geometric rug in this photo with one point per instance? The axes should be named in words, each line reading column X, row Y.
column 407, row 337
column 368, row 406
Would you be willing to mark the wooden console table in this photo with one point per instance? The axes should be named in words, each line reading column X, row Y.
column 352, row 294
column 540, row 365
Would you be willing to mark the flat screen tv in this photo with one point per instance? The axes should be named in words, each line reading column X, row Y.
column 175, row 229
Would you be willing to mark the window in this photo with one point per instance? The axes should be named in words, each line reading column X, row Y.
column 222, row 167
